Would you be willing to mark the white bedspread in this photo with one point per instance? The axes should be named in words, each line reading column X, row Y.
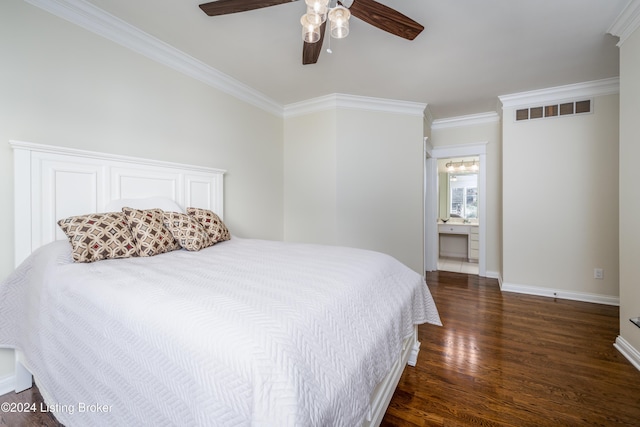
column 247, row 332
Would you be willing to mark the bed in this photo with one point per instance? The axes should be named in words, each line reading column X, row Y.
column 244, row 332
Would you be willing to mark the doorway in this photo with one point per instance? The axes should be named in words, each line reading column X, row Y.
column 432, row 214
column 458, row 219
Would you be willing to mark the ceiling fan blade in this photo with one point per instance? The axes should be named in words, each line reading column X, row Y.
column 225, row 7
column 385, row 18
column 311, row 51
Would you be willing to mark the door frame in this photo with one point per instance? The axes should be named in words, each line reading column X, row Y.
column 432, row 154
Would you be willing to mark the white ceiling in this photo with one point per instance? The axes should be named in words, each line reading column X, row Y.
column 470, row 52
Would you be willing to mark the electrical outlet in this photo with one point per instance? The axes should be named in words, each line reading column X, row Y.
column 598, row 273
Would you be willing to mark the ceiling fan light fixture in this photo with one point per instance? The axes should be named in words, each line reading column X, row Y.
column 314, row 22
column 339, row 18
column 310, row 28
column 320, row 17
column 319, row 8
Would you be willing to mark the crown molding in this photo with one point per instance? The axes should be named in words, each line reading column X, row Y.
column 472, row 119
column 309, row 106
column 627, row 22
column 561, row 93
column 104, row 24
column 339, row 100
column 428, row 116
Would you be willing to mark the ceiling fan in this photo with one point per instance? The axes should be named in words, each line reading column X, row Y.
column 370, row 11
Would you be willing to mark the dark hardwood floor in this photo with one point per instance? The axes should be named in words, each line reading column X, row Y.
column 27, row 418
column 505, row 359
column 501, row 359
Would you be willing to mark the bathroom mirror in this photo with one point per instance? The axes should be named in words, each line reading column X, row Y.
column 458, row 188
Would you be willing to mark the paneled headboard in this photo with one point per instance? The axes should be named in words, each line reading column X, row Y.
column 52, row 183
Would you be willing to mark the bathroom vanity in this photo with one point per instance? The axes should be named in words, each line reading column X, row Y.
column 458, row 240
column 458, row 208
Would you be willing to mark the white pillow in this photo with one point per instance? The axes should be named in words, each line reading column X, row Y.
column 164, row 203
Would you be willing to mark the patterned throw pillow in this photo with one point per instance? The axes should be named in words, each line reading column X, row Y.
column 187, row 231
column 212, row 223
column 149, row 232
column 99, row 236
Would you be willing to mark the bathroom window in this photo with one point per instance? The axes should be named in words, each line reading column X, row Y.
column 463, row 196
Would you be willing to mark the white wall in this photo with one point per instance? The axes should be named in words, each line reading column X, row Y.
column 380, row 173
column 62, row 85
column 489, row 132
column 629, row 194
column 560, row 201
column 310, row 178
column 353, row 177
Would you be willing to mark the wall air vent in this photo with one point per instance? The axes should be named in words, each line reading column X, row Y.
column 564, row 109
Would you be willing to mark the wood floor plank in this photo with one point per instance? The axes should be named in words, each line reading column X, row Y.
column 500, row 360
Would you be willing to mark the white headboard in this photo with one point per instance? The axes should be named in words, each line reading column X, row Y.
column 52, row 183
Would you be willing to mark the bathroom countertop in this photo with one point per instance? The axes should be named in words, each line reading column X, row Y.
column 458, row 223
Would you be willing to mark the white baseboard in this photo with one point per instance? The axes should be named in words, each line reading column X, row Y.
column 7, row 384
column 494, row 275
column 560, row 293
column 628, row 351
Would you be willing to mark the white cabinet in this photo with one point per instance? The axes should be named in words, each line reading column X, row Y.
column 474, row 245
column 463, row 233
